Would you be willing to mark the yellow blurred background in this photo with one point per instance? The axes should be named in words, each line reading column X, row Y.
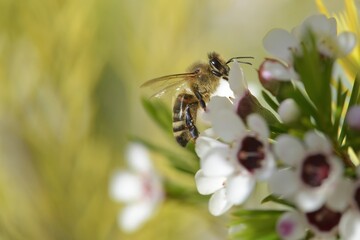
column 70, row 72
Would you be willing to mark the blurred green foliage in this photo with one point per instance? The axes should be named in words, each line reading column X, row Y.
column 69, row 99
column 65, row 84
column 54, row 165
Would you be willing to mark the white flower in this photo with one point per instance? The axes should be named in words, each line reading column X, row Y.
column 329, row 43
column 229, row 169
column 237, row 80
column 314, row 176
column 323, row 223
column 139, row 188
column 283, row 44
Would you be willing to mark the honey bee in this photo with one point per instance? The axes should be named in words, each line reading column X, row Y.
column 198, row 84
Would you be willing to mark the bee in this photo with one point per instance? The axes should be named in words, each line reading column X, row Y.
column 200, row 82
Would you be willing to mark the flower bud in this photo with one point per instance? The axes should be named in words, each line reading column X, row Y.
column 353, row 117
column 289, row 111
column 272, row 73
column 291, row 225
column 246, row 105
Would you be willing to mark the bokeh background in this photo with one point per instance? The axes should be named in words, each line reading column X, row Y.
column 70, row 72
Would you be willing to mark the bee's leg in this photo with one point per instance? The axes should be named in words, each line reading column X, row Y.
column 190, row 116
column 201, row 100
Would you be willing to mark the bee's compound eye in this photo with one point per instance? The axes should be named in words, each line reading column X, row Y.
column 215, row 63
column 216, row 73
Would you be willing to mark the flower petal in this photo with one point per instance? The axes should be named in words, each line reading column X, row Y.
column 279, row 43
column 267, row 168
column 218, row 203
column 317, row 142
column 217, row 103
column 320, row 25
column 126, row 187
column 284, row 183
column 337, row 169
column 339, row 198
column 209, row 133
column 216, row 163
column 133, row 216
column 237, row 79
column 228, row 125
column 289, row 149
column 239, row 188
column 224, row 90
column 138, row 157
column 346, row 42
column 309, row 200
column 349, row 226
column 208, row 185
column 205, row 144
column 291, row 226
column 257, row 124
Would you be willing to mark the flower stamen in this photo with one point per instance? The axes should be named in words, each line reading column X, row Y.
column 324, row 218
column 315, row 170
column 251, row 153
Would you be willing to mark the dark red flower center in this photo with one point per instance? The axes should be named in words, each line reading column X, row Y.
column 315, row 170
column 246, row 105
column 251, row 153
column 324, row 219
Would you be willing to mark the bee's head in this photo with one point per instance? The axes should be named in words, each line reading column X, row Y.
column 218, row 66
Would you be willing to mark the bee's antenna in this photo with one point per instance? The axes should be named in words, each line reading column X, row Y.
column 236, row 58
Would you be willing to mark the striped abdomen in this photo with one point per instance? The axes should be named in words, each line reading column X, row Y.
column 184, row 118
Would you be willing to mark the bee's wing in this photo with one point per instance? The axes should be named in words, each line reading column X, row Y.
column 174, row 87
column 168, row 83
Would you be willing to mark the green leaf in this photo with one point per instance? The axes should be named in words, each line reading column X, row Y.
column 269, row 100
column 315, row 71
column 246, row 213
column 339, row 92
column 250, row 104
column 354, row 99
column 339, row 109
column 277, row 129
column 160, row 113
column 275, row 199
column 305, row 104
column 179, row 192
column 255, row 224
